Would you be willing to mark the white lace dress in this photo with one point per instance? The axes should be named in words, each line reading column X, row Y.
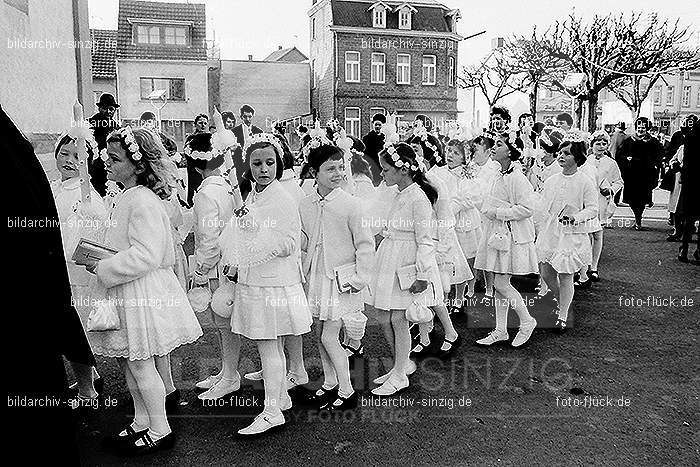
column 139, row 280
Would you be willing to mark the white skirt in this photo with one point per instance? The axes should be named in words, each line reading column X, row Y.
column 155, row 317
column 262, row 313
column 566, row 252
column 392, row 255
column 520, row 259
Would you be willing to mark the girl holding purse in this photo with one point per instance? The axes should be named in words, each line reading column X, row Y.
column 263, row 243
column 339, row 238
column 563, row 246
column 154, row 313
column 405, row 264
column 212, row 209
column 508, row 245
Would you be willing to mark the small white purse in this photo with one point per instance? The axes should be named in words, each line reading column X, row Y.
column 103, row 317
column 418, row 313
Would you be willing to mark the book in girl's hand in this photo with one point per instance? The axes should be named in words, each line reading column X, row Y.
column 343, row 275
column 88, row 252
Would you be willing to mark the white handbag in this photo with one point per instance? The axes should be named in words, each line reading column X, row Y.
column 103, row 317
column 500, row 239
column 418, row 313
column 222, row 299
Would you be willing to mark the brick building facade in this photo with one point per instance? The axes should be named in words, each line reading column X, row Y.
column 383, row 57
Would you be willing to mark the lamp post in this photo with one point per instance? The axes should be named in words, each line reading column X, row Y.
column 156, row 96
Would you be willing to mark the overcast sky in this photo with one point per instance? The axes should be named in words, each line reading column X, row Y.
column 257, row 27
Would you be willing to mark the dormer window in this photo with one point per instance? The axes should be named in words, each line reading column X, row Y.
column 452, row 17
column 379, row 10
column 162, row 34
column 405, row 15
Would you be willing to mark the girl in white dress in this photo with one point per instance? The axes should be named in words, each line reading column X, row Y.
column 294, row 345
column 78, row 221
column 367, row 192
column 212, row 209
column 452, row 264
column 263, row 243
column 335, row 235
column 563, row 245
column 466, row 199
column 486, row 171
column 508, row 245
column 153, row 309
column 407, row 249
column 608, row 181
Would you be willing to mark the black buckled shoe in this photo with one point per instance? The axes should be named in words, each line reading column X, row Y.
column 341, row 404
column 116, row 442
column 321, row 396
column 443, row 354
column 148, row 445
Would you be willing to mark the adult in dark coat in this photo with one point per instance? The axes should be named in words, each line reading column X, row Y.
column 688, row 205
column 102, row 124
column 242, row 132
column 374, row 143
column 639, row 158
column 43, row 327
column 194, row 178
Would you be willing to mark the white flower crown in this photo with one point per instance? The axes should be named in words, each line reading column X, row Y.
column 576, row 136
column 398, row 163
column 263, row 138
column 127, row 135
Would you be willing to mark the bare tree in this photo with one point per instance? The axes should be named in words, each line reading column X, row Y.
column 610, row 48
column 494, row 77
column 656, row 49
column 532, row 58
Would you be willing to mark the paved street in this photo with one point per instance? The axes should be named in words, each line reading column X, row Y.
column 619, row 388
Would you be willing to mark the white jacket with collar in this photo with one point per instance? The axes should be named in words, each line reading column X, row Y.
column 347, row 237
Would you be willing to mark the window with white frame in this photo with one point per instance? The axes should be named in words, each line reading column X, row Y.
column 161, row 35
column 379, row 17
column 657, row 95
column 405, row 18
column 451, row 71
column 154, row 35
column 403, row 69
column 670, row 95
column 175, row 36
column 429, row 69
column 378, row 68
column 352, row 121
column 686, row 96
column 174, row 87
column 352, row 67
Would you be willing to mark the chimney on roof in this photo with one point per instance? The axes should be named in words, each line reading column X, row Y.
column 279, row 47
column 250, row 58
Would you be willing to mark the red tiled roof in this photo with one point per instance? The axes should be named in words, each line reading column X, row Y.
column 161, row 12
column 355, row 14
column 104, row 53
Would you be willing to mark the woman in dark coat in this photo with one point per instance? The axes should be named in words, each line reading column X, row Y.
column 639, row 159
column 688, row 204
column 42, row 326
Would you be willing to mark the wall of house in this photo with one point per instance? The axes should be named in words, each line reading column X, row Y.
column 101, row 86
column 438, row 101
column 276, row 90
column 129, row 73
column 323, row 56
column 38, row 67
